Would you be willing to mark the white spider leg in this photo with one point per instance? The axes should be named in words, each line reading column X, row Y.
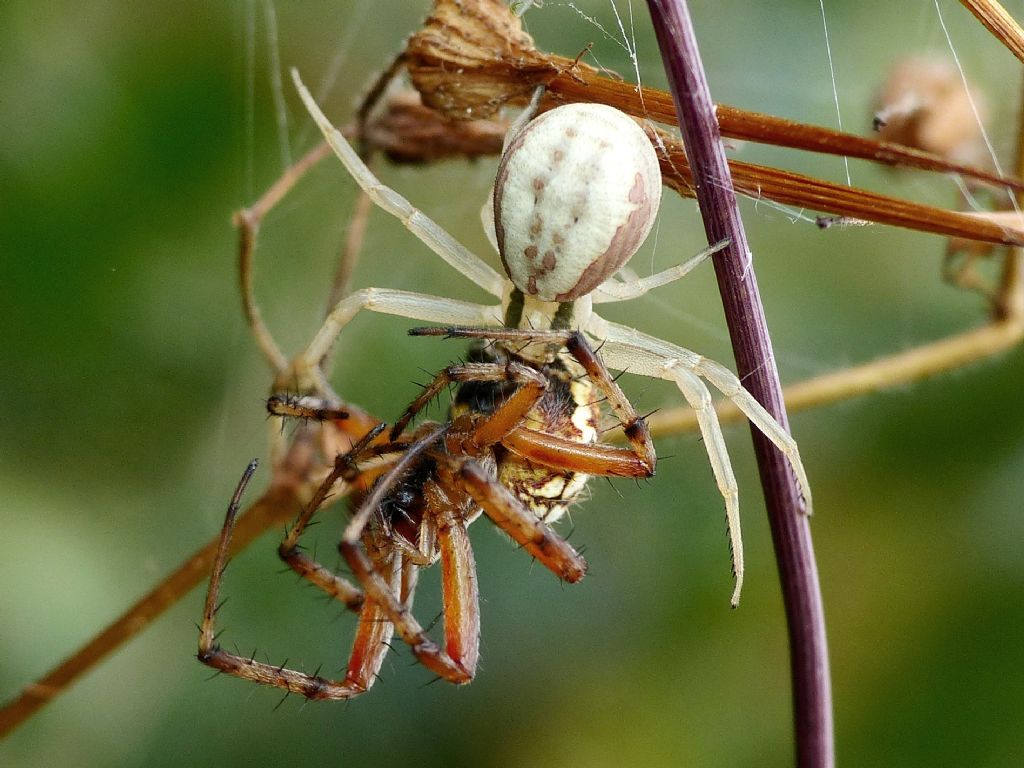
column 699, row 397
column 614, row 290
column 418, row 306
column 428, row 231
column 487, row 209
column 529, row 112
column 487, row 220
column 646, row 355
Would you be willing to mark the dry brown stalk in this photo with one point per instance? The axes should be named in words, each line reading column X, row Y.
column 999, row 22
column 291, row 484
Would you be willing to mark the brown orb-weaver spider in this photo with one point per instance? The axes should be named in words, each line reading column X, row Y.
column 485, row 459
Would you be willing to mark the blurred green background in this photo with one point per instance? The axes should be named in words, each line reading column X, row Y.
column 132, row 401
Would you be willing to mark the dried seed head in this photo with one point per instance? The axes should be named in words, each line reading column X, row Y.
column 408, row 132
column 576, row 194
column 923, row 104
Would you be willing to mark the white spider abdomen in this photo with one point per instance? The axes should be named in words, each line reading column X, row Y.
column 576, row 194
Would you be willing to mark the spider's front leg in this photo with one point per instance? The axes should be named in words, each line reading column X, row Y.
column 649, row 356
column 639, row 460
column 628, row 349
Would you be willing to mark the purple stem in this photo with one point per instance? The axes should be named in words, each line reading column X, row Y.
column 755, row 361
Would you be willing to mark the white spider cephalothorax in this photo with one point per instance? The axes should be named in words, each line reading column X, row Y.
column 576, row 194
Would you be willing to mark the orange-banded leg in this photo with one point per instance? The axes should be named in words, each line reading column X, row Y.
column 373, row 631
column 308, row 568
column 345, row 468
column 638, row 460
column 521, row 523
column 531, row 387
column 456, row 661
column 504, row 509
column 446, row 509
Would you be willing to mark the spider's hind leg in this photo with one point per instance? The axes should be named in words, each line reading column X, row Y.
column 457, row 660
column 521, row 523
column 367, row 653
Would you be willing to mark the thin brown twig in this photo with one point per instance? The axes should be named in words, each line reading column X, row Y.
column 276, row 507
column 995, row 18
column 1010, row 303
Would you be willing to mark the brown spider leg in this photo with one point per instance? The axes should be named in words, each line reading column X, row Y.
column 364, row 657
column 308, row 568
column 345, row 468
column 459, row 593
column 531, row 388
column 638, row 460
column 457, row 661
column 312, row 408
column 565, row 454
column 375, row 630
column 521, row 523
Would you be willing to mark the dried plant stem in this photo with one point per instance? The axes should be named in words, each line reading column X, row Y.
column 276, row 507
column 999, row 22
column 755, row 361
column 1010, row 303
column 886, row 372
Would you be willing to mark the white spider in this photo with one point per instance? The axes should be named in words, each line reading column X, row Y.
column 576, row 194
